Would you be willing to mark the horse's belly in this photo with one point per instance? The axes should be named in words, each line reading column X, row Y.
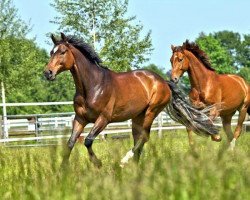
column 127, row 112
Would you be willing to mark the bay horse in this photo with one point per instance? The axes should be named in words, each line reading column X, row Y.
column 229, row 92
column 103, row 96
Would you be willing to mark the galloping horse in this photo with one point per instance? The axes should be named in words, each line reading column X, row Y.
column 229, row 92
column 103, row 96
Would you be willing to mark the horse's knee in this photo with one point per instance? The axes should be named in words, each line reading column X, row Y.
column 88, row 142
column 145, row 138
column 71, row 143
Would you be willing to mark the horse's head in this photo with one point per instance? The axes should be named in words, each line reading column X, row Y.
column 61, row 58
column 180, row 63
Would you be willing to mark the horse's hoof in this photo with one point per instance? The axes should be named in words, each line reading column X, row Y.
column 216, row 138
column 122, row 165
column 232, row 144
column 97, row 162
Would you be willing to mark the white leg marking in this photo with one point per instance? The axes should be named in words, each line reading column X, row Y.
column 126, row 158
column 232, row 144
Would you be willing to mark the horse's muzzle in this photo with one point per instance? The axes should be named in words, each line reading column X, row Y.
column 175, row 80
column 49, row 75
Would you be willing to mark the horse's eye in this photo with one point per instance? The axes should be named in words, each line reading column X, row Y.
column 63, row 52
column 180, row 59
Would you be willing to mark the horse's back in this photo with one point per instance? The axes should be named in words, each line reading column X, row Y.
column 137, row 90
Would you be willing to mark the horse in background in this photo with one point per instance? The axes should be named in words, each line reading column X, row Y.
column 227, row 91
column 103, row 96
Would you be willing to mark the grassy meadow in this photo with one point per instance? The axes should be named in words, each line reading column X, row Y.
column 168, row 169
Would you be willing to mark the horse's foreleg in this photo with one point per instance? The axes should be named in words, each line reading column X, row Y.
column 78, row 126
column 99, row 125
column 237, row 132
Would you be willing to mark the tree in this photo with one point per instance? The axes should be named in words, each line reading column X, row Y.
column 219, row 56
column 156, row 69
column 10, row 22
column 238, row 47
column 10, row 26
column 230, row 40
column 21, row 67
column 244, row 52
column 24, row 80
column 104, row 24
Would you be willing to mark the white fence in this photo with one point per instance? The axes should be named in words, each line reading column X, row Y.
column 39, row 127
column 22, row 125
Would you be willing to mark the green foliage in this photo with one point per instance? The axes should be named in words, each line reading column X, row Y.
column 236, row 59
column 237, row 45
column 219, row 56
column 245, row 73
column 10, row 22
column 156, row 69
column 21, row 67
column 104, row 24
column 244, row 52
column 168, row 170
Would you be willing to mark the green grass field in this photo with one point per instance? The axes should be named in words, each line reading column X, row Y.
column 168, row 170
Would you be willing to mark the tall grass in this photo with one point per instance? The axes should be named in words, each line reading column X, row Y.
column 168, row 169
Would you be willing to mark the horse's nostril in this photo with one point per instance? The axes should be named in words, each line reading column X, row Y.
column 50, row 72
column 175, row 80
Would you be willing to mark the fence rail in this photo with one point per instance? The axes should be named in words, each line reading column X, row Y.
column 51, row 126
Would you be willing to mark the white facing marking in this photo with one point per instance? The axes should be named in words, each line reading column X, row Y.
column 55, row 49
column 232, row 144
column 126, row 158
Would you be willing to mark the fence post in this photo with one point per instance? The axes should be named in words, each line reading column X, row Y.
column 159, row 125
column 1, row 126
column 56, row 122
column 129, row 123
column 5, row 123
column 36, row 126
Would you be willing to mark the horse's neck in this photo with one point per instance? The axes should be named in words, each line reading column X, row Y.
column 198, row 74
column 86, row 75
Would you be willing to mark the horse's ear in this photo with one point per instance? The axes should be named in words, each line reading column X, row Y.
column 53, row 38
column 172, row 47
column 63, row 36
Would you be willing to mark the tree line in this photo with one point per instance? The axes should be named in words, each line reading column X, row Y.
column 115, row 36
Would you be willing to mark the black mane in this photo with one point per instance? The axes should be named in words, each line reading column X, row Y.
column 86, row 49
column 200, row 54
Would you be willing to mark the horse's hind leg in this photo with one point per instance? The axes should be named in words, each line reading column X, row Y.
column 190, row 138
column 99, row 125
column 226, row 122
column 141, row 129
column 78, row 126
column 140, row 135
column 137, row 131
column 237, row 132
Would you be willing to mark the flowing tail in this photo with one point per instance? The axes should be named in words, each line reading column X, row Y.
column 248, row 110
column 181, row 110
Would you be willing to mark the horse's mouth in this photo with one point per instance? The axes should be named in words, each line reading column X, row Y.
column 49, row 75
column 52, row 78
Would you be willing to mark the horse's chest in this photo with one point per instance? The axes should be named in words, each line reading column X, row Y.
column 203, row 98
column 86, row 113
column 83, row 110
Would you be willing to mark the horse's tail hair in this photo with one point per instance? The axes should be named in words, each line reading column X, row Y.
column 182, row 111
column 248, row 110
